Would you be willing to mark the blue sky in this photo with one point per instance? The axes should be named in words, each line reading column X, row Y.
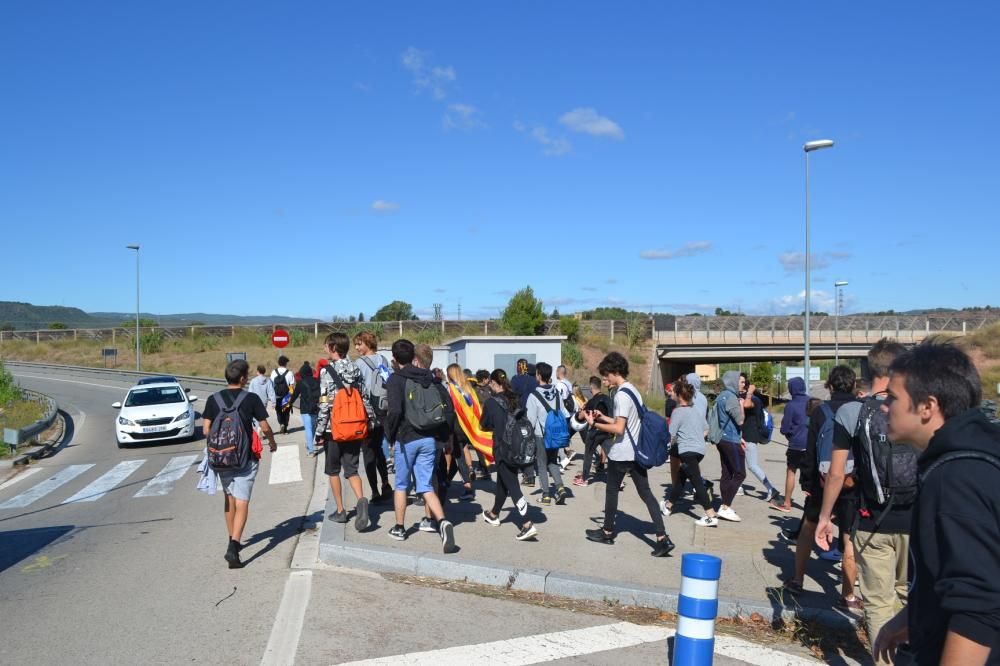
column 332, row 156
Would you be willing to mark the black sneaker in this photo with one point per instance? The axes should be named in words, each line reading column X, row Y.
column 338, row 516
column 545, row 499
column 527, row 533
column 361, row 520
column 428, row 525
column 789, row 536
column 600, row 536
column 663, row 547
column 561, row 495
column 448, row 537
column 233, row 556
column 398, row 533
column 528, row 483
column 419, row 501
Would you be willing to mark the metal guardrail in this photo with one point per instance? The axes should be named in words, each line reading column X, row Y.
column 16, row 436
column 115, row 372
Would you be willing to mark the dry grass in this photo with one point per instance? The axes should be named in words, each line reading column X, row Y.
column 20, row 413
column 984, row 347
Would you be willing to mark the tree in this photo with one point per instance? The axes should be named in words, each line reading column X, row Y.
column 605, row 313
column 555, row 313
column 722, row 312
column 143, row 322
column 817, row 313
column 570, row 327
column 6, row 327
column 523, row 314
column 352, row 319
column 58, row 326
column 395, row 311
column 762, row 376
column 361, row 317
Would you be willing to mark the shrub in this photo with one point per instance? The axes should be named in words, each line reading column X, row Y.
column 58, row 326
column 571, row 355
column 570, row 327
column 299, row 338
column 636, row 358
column 523, row 314
column 9, row 390
column 151, row 342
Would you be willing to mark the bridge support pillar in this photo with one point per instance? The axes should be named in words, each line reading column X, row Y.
column 671, row 370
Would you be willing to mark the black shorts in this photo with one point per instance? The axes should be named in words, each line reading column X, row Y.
column 794, row 459
column 342, row 455
column 845, row 511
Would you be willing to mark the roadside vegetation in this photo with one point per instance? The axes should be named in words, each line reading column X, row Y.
column 984, row 347
column 14, row 411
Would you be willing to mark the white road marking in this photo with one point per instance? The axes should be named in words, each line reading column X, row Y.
column 758, row 655
column 533, row 649
column 45, row 487
column 163, row 483
column 285, row 466
column 105, row 483
column 284, row 640
column 23, row 475
column 73, row 381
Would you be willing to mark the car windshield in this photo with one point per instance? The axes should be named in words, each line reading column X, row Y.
column 155, row 380
column 155, row 395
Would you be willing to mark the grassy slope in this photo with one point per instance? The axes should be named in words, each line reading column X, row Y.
column 984, row 346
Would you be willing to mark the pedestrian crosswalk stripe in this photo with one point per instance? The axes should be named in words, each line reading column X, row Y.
column 45, row 487
column 285, row 466
column 99, row 488
column 20, row 477
column 164, row 481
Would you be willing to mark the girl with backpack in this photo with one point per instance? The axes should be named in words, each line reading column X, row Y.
column 513, row 450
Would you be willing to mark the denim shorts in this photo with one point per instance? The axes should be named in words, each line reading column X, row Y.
column 239, row 482
column 416, row 457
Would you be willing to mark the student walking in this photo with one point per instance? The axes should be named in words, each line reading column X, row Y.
column 284, row 388
column 625, row 427
column 754, row 436
column 794, row 427
column 595, row 441
column 549, row 417
column 221, row 428
column 342, row 426
column 725, row 421
column 262, row 386
column 307, row 393
column 499, row 415
column 375, row 373
column 688, row 429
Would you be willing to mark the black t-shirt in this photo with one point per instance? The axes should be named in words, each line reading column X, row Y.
column 753, row 422
column 251, row 408
column 669, row 406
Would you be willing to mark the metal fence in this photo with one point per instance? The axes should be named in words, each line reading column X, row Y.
column 17, row 436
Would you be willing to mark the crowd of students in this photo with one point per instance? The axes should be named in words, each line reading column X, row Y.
column 863, row 458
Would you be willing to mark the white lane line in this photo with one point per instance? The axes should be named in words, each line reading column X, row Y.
column 163, row 483
column 758, row 655
column 533, row 649
column 23, row 475
column 104, row 484
column 45, row 487
column 72, row 381
column 285, row 466
column 284, row 640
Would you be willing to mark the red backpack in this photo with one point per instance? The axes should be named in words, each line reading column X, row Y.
column 348, row 416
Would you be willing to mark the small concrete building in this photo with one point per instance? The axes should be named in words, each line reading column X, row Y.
column 502, row 351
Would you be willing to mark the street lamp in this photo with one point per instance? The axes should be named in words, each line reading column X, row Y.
column 138, row 361
column 808, row 148
column 839, row 295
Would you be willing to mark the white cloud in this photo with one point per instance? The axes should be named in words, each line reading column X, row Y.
column 440, row 290
column 383, row 206
column 588, row 121
column 686, row 250
column 462, row 117
column 795, row 262
column 821, row 301
column 432, row 78
column 551, row 145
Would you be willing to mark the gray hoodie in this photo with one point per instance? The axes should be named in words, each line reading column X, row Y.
column 700, row 403
column 537, row 412
column 731, row 427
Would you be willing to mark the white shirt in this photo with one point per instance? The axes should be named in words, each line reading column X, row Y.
column 289, row 377
column 621, row 449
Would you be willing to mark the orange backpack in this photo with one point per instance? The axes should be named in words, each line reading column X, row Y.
column 348, row 416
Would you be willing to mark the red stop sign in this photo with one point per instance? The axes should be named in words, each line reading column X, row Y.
column 279, row 338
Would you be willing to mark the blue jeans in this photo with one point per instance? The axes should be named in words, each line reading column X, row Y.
column 309, row 425
column 416, row 457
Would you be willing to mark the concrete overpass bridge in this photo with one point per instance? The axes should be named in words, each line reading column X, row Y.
column 711, row 340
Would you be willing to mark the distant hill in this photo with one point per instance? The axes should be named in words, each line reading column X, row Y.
column 25, row 316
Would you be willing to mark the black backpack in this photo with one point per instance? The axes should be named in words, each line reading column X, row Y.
column 886, row 471
column 280, row 383
column 518, row 436
column 229, row 443
column 427, row 408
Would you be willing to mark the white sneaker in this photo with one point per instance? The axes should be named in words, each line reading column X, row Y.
column 665, row 508
column 564, row 463
column 707, row 521
column 726, row 513
column 740, row 491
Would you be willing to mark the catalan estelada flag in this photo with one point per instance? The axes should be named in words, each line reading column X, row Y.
column 468, row 411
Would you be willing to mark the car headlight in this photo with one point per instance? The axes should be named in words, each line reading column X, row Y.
column 182, row 417
column 124, row 421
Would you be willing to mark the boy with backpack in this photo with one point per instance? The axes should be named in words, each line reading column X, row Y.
column 815, row 470
column 626, row 427
column 342, row 426
column 953, row 612
column 228, row 426
column 284, row 387
column 419, row 412
column 550, row 419
column 886, row 476
column 375, row 372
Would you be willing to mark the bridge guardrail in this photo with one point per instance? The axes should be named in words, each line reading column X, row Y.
column 16, row 436
column 114, row 371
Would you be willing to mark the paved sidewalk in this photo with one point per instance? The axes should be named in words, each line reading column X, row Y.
column 754, row 559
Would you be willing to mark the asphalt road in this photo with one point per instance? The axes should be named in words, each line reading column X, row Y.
column 121, row 578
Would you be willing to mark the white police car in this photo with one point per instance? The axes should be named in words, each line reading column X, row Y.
column 155, row 412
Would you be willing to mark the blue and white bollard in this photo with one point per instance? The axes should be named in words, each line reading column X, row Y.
column 697, row 609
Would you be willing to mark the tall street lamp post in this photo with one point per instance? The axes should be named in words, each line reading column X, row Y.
column 838, row 288
column 138, row 360
column 808, row 148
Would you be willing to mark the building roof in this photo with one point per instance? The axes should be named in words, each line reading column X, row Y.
column 506, row 338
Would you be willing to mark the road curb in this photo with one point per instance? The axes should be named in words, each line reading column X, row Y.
column 335, row 549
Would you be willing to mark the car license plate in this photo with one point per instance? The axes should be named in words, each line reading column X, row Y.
column 154, row 428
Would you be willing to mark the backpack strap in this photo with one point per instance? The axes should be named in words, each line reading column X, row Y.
column 638, row 405
column 638, row 409
column 960, row 455
column 334, row 375
column 541, row 399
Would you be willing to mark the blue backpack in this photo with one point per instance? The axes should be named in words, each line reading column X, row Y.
column 653, row 446
column 767, row 425
column 555, row 430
